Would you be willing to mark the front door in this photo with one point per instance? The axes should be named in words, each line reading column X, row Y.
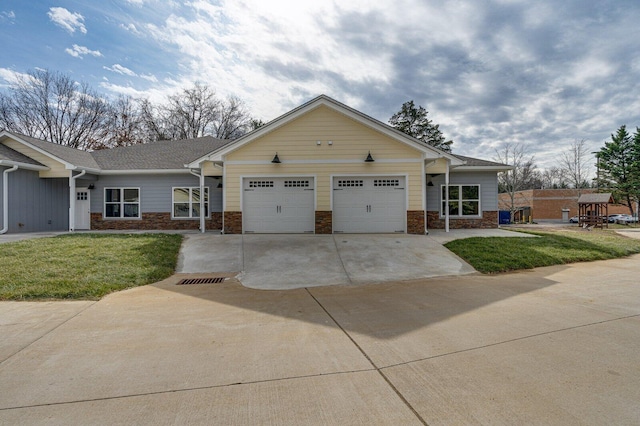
column 83, row 209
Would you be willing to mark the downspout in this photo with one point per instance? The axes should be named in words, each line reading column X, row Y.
column 202, row 218
column 72, row 199
column 5, row 199
column 446, row 190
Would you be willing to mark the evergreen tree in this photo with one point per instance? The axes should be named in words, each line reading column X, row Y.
column 619, row 166
column 414, row 122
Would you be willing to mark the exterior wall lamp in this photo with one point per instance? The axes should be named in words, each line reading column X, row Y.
column 276, row 159
column 369, row 158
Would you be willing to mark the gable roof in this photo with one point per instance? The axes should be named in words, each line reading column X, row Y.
column 8, row 155
column 323, row 100
column 161, row 155
column 596, row 198
column 471, row 163
column 70, row 157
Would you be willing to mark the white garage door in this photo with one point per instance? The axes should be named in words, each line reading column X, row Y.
column 369, row 204
column 278, row 205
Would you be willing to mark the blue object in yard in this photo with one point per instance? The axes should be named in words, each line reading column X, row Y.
column 504, row 217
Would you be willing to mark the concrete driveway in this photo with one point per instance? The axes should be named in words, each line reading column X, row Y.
column 556, row 345
column 278, row 262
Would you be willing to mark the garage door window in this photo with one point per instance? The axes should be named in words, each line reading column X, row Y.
column 350, row 183
column 186, row 202
column 464, row 200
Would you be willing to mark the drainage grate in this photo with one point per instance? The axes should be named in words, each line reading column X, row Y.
column 211, row 280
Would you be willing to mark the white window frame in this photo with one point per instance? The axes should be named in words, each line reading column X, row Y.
column 122, row 203
column 460, row 200
column 191, row 202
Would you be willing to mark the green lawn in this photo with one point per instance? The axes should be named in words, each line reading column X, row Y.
column 495, row 254
column 84, row 266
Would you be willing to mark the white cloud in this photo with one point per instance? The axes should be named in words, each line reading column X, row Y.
column 7, row 16
column 117, row 68
column 80, row 51
column 67, row 20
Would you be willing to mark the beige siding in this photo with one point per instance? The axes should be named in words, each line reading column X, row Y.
column 438, row 167
column 323, row 174
column 208, row 169
column 298, row 140
column 57, row 168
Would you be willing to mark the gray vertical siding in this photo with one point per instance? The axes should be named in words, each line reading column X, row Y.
column 35, row 204
column 488, row 182
column 155, row 190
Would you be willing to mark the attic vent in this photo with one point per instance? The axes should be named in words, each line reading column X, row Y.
column 210, row 280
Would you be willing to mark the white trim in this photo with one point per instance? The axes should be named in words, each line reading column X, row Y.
column 482, row 168
column 327, row 161
column 326, row 101
column 121, row 188
column 145, row 172
column 26, row 166
column 191, row 188
column 459, row 200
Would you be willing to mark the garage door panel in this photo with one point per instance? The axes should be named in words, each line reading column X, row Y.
column 369, row 204
column 278, row 205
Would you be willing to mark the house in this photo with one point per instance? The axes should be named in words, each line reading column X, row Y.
column 537, row 204
column 321, row 168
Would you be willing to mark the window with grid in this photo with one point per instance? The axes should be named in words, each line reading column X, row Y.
column 350, row 183
column 260, row 184
column 464, row 200
column 122, row 202
column 296, row 183
column 186, row 202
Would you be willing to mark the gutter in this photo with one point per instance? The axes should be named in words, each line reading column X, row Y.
column 5, row 199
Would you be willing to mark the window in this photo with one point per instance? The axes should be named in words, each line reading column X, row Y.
column 464, row 200
column 122, row 202
column 186, row 202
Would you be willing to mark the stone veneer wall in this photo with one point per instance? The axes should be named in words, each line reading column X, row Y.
column 489, row 220
column 415, row 222
column 154, row 221
column 233, row 222
column 324, row 222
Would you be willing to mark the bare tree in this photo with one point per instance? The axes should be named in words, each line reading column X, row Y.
column 193, row 113
column 125, row 125
column 51, row 106
column 519, row 177
column 233, row 119
column 574, row 164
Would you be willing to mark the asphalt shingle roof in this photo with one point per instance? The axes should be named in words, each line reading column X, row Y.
column 7, row 153
column 70, row 155
column 478, row 162
column 157, row 155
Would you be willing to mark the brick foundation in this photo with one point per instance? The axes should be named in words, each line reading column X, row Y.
column 154, row 221
column 489, row 220
column 415, row 222
column 324, row 222
column 233, row 222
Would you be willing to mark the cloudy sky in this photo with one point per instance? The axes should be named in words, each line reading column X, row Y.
column 541, row 73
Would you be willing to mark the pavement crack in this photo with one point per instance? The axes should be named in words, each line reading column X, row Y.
column 191, row 389
column 47, row 333
column 341, row 262
column 368, row 358
column 507, row 341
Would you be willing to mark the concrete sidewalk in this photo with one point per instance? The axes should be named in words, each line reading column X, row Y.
column 555, row 345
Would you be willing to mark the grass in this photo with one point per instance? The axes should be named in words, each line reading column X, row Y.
column 85, row 266
column 495, row 254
